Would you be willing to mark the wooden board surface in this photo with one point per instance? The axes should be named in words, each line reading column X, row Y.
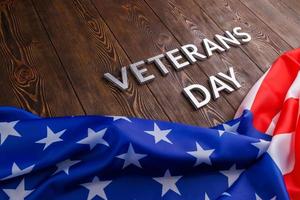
column 53, row 53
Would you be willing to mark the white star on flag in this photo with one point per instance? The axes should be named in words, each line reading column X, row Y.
column 201, row 155
column 65, row 166
column 206, row 197
column 96, row 188
column 231, row 128
column 232, row 174
column 16, row 171
column 160, row 135
column 221, row 132
column 168, row 182
column 19, row 193
column 131, row 157
column 258, row 197
column 262, row 146
column 115, row 118
column 226, row 194
column 94, row 138
column 51, row 138
column 8, row 129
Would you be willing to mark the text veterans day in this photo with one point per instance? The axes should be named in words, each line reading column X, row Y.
column 187, row 55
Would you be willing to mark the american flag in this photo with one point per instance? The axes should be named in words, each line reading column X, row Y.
column 255, row 156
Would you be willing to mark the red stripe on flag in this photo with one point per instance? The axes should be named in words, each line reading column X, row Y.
column 272, row 92
column 287, row 121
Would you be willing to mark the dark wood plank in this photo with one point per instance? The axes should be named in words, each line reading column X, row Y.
column 265, row 45
column 282, row 19
column 31, row 74
column 142, row 35
column 9, row 99
column 189, row 24
column 293, row 4
column 88, row 50
column 82, row 48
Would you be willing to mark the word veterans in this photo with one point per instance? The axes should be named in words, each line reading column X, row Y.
column 183, row 57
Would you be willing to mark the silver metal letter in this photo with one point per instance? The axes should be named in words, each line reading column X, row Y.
column 231, row 78
column 191, row 53
column 174, row 60
column 159, row 64
column 199, row 88
column 139, row 73
column 210, row 46
column 227, row 40
column 116, row 82
column 245, row 37
column 216, row 90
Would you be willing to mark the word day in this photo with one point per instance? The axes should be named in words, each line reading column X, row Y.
column 218, row 83
column 182, row 57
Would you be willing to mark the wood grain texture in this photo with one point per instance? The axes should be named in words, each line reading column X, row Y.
column 146, row 36
column 265, row 45
column 293, row 4
column 88, row 53
column 278, row 16
column 53, row 53
column 31, row 74
column 190, row 24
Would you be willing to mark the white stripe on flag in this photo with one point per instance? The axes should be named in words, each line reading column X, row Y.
column 249, row 99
